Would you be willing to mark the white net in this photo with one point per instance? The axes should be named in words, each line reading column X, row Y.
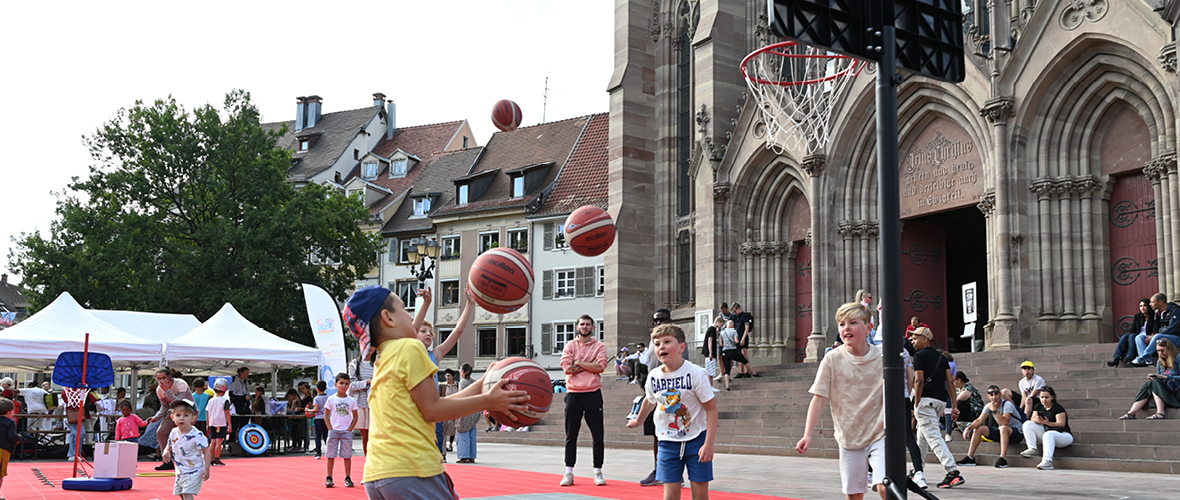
column 75, row 397
column 795, row 86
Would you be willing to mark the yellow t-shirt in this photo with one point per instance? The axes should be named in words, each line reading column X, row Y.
column 401, row 441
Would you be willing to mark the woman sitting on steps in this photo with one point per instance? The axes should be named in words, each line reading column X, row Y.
column 1162, row 386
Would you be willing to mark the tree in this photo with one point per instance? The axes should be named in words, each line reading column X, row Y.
column 183, row 212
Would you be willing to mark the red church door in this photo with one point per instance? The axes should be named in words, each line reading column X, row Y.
column 802, row 300
column 923, row 271
column 1134, row 272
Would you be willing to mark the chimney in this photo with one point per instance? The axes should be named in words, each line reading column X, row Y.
column 390, row 120
column 378, row 99
column 300, row 112
column 314, row 105
column 3, row 279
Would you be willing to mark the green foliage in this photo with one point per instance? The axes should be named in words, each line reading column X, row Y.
column 185, row 211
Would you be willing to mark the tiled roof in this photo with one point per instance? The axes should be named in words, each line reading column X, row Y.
column 548, row 142
column 435, row 177
column 336, row 130
column 11, row 296
column 419, row 141
column 583, row 180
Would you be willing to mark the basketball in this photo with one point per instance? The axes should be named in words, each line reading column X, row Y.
column 501, row 280
column 522, row 374
column 506, row 115
column 589, row 231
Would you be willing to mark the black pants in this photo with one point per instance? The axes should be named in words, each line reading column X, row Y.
column 729, row 356
column 911, row 441
column 321, row 434
column 579, row 405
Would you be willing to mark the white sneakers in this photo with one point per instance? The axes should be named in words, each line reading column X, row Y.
column 1029, row 453
column 919, row 479
column 568, row 479
column 1045, row 465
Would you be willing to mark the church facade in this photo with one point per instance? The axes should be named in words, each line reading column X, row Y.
column 1048, row 178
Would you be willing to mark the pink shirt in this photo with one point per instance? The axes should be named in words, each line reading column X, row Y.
column 590, row 352
column 128, row 427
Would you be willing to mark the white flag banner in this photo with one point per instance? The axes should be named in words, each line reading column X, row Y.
column 327, row 328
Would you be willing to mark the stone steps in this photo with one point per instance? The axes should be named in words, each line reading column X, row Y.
column 766, row 415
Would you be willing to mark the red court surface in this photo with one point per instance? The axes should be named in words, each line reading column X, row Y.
column 303, row 477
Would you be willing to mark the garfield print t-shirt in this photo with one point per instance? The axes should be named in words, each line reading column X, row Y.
column 679, row 396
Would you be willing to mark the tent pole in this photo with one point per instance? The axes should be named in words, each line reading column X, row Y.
column 274, row 379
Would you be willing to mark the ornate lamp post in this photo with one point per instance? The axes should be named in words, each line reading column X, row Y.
column 422, row 250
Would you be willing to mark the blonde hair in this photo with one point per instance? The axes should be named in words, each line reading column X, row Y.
column 668, row 330
column 860, row 295
column 1168, row 360
column 427, row 324
column 854, row 310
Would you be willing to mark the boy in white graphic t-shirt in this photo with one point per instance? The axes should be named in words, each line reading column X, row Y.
column 188, row 448
column 340, row 417
column 685, row 415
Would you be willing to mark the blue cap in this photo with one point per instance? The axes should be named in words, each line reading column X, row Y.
column 359, row 312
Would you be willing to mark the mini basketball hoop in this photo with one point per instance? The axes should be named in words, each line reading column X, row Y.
column 795, row 85
column 75, row 396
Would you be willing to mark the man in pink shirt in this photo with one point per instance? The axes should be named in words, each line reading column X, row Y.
column 583, row 360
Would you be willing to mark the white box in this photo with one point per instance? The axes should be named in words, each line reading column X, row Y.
column 115, row 459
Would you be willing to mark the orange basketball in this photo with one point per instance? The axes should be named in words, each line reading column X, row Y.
column 502, row 280
column 506, row 115
column 522, row 374
column 589, row 231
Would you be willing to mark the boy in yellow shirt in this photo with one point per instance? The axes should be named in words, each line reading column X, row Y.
column 403, row 460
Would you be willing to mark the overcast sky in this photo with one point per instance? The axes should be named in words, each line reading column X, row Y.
column 70, row 66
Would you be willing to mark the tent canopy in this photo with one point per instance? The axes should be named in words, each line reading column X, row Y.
column 229, row 340
column 157, row 327
column 33, row 344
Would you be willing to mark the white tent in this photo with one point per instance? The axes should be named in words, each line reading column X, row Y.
column 227, row 341
column 34, row 344
column 157, row 327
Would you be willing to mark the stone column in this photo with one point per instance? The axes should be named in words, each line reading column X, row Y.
column 747, row 250
column 1042, row 187
column 814, row 165
column 871, row 230
column 630, row 263
column 1155, row 173
column 846, row 232
column 1169, row 162
column 987, row 205
column 763, row 310
column 781, row 287
column 1085, row 186
column 1064, row 188
column 1006, row 333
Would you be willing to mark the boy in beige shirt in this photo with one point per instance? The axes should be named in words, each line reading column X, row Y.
column 851, row 376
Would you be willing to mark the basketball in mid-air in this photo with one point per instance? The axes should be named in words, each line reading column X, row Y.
column 506, row 115
column 522, row 374
column 589, row 231
column 501, row 280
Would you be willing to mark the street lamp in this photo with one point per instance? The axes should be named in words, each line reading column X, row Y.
column 421, row 250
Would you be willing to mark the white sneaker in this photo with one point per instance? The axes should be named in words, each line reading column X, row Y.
column 716, row 389
column 948, row 438
column 567, row 479
column 633, row 382
column 719, row 377
column 1029, row 453
column 598, row 479
column 1045, row 465
column 919, row 479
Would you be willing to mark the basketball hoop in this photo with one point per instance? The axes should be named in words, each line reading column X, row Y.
column 75, row 396
column 795, row 86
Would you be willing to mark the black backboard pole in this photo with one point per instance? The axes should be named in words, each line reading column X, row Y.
column 889, row 213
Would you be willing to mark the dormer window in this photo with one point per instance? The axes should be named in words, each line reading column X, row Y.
column 369, row 170
column 421, row 206
column 398, row 168
column 357, row 193
column 303, row 145
column 518, row 186
column 464, row 191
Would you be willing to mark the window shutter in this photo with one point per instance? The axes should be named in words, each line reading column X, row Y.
column 547, row 285
column 393, row 249
column 582, row 282
column 546, row 338
column 548, row 245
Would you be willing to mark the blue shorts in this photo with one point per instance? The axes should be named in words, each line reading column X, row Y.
column 674, row 456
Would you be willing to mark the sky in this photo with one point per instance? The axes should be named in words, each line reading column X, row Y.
column 72, row 65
